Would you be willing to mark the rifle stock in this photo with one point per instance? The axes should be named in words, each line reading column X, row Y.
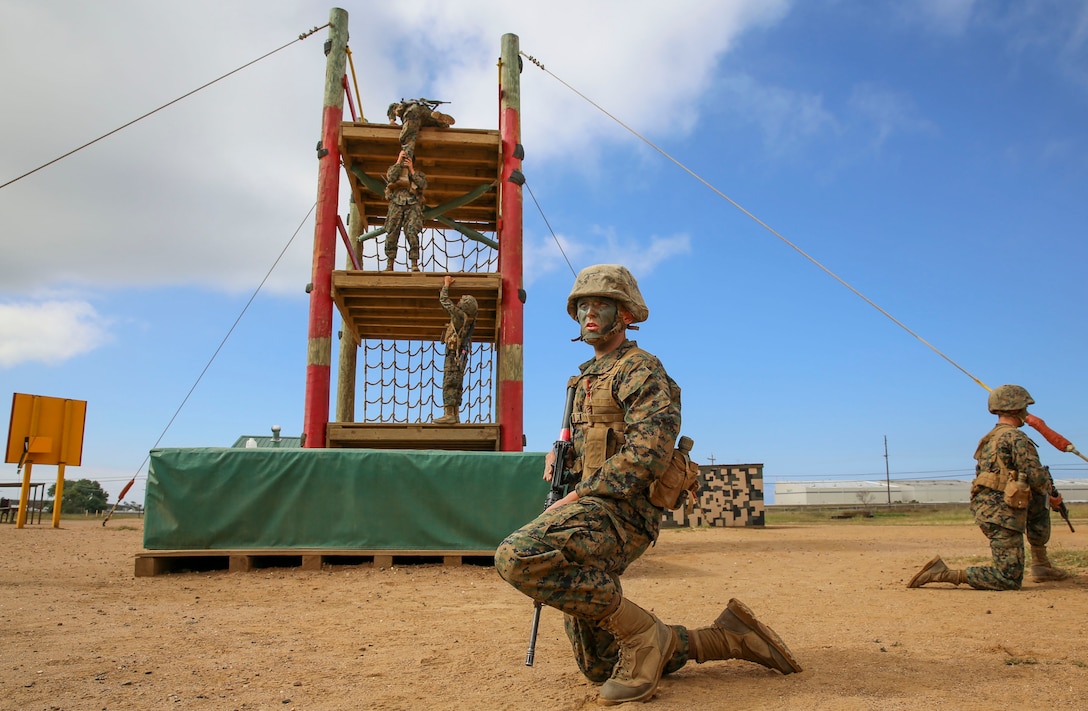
column 561, row 477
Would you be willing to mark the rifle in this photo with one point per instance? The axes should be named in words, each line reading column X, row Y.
column 432, row 104
column 561, row 479
column 1063, row 509
column 466, row 345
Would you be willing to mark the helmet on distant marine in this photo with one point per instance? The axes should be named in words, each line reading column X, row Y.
column 468, row 304
column 1009, row 398
column 612, row 281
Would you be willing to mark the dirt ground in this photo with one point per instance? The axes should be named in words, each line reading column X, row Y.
column 82, row 632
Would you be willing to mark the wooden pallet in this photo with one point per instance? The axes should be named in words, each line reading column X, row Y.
column 151, row 563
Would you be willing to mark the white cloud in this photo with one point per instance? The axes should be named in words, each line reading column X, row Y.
column 949, row 17
column 600, row 245
column 209, row 190
column 785, row 117
column 888, row 112
column 49, row 332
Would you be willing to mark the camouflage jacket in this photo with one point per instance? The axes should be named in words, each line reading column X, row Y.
column 404, row 188
column 1018, row 453
column 460, row 322
column 650, row 400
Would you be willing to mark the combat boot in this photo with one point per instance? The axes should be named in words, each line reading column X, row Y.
column 935, row 571
column 1041, row 569
column 389, row 264
column 415, row 265
column 442, row 119
column 450, row 418
column 737, row 634
column 646, row 644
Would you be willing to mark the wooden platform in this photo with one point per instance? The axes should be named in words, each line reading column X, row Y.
column 373, row 435
column 456, row 161
column 151, row 563
column 404, row 305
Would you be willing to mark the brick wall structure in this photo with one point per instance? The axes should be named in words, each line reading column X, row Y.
column 729, row 495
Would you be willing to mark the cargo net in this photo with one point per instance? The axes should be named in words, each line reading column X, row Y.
column 401, row 379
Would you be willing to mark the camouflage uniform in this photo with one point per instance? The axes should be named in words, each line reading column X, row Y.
column 1038, row 523
column 413, row 115
column 1002, row 524
column 453, row 369
column 405, row 195
column 571, row 558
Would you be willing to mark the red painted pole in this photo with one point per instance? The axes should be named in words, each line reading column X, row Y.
column 319, row 346
column 511, row 391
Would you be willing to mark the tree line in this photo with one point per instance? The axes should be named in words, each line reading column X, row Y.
column 80, row 496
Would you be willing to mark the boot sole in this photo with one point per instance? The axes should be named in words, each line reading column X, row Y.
column 745, row 614
column 933, row 561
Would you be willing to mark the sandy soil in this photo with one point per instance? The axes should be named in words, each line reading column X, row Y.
column 82, row 632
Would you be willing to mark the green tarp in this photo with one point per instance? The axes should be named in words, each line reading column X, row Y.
column 339, row 499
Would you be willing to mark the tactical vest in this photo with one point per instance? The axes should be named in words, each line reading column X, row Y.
column 454, row 337
column 601, row 416
column 994, row 479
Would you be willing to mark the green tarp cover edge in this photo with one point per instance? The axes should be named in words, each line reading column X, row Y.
column 342, row 499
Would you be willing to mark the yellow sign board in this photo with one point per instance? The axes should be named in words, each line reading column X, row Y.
column 46, row 430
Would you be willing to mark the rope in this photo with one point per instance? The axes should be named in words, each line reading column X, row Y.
column 355, row 82
column 301, row 37
column 758, row 221
column 222, row 343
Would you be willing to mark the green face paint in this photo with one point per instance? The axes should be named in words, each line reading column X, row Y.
column 596, row 316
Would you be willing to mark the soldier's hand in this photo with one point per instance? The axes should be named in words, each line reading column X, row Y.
column 447, row 280
column 549, row 465
column 571, row 497
column 1056, row 502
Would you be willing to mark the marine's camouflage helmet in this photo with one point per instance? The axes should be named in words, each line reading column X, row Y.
column 468, row 305
column 612, row 281
column 1009, row 398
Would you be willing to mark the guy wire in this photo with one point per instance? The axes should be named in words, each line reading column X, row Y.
column 554, row 237
column 301, row 37
column 226, row 337
column 755, row 219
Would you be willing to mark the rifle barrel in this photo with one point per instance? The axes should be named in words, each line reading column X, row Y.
column 532, row 634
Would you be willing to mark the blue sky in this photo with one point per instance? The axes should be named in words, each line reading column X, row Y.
column 931, row 153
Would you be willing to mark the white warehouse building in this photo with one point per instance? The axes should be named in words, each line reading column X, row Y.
column 873, row 493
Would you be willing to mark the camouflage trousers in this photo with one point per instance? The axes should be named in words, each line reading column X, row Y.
column 571, row 558
column 407, row 219
column 1038, row 525
column 1007, row 571
column 453, row 376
